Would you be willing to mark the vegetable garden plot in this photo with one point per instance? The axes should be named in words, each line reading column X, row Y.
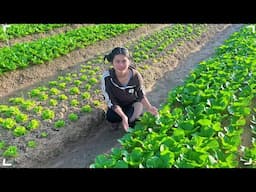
column 202, row 122
column 37, row 52
column 43, row 103
column 8, row 32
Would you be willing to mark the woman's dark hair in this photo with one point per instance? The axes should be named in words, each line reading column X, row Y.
column 117, row 51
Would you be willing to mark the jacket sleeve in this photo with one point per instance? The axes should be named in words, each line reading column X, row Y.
column 106, row 90
column 140, row 87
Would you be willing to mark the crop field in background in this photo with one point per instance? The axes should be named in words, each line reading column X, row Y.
column 201, row 124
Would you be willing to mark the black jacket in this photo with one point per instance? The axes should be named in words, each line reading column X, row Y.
column 117, row 94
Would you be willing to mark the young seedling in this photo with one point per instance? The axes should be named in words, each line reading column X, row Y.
column 86, row 108
column 59, row 124
column 44, row 134
column 19, row 131
column 72, row 117
column 2, row 144
column 38, row 109
column 32, row 144
column 53, row 102
column 86, row 95
column 21, row 118
column 62, row 85
column 8, row 123
column 96, row 103
column 48, row 114
column 74, row 91
column 35, row 92
column 33, row 124
column 93, row 81
column 77, row 82
column 54, row 91
column 16, row 100
column 28, row 105
column 43, row 97
column 11, row 151
column 87, row 87
column 63, row 97
column 74, row 102
column 53, row 83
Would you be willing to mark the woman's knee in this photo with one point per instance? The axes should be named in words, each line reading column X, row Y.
column 112, row 116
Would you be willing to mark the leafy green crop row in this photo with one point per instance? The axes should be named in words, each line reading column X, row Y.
column 37, row 52
column 202, row 122
column 147, row 49
column 19, row 30
column 61, row 101
column 249, row 153
column 164, row 42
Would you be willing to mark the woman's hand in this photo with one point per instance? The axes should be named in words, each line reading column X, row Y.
column 125, row 123
column 153, row 110
column 150, row 108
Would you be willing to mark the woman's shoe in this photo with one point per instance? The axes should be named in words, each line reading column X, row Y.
column 132, row 124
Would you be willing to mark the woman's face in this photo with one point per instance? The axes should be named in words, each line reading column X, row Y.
column 121, row 63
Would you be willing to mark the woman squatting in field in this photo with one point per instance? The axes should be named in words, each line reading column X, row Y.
column 122, row 87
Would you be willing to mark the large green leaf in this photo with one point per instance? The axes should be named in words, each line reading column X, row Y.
column 167, row 157
column 187, row 125
column 206, row 131
column 135, row 157
column 190, row 88
column 177, row 112
column 197, row 140
column 102, row 161
column 220, row 104
column 165, row 160
column 178, row 134
column 192, row 159
column 154, row 162
column 231, row 143
column 216, row 126
column 121, row 164
column 212, row 145
column 245, row 91
column 238, row 121
column 204, row 122
column 116, row 153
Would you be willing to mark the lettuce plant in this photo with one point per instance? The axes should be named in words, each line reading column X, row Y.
column 73, row 117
